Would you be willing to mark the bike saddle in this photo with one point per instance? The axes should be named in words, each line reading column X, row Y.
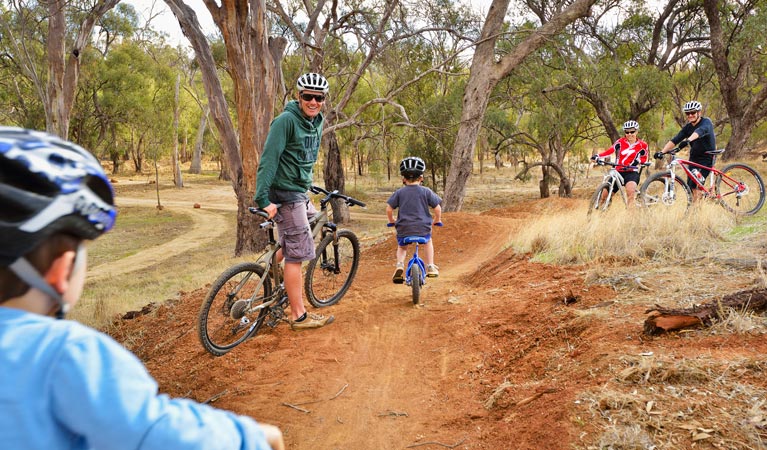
column 415, row 240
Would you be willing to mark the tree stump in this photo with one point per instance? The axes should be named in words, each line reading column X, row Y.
column 668, row 319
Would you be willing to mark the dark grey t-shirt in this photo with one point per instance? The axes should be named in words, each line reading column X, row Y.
column 413, row 203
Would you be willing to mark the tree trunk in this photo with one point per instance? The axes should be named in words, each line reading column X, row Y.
column 333, row 173
column 252, row 65
column 196, row 165
column 177, row 181
column 484, row 74
column 63, row 74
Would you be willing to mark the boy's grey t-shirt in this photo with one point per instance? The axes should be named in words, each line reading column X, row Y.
column 413, row 203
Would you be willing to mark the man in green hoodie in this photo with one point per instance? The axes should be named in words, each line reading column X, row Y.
column 284, row 176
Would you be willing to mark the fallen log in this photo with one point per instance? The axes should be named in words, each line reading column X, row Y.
column 668, row 319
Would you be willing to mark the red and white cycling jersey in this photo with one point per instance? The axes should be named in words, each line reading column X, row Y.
column 628, row 154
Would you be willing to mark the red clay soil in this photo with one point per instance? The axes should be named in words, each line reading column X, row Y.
column 494, row 358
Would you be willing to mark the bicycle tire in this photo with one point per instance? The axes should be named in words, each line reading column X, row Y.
column 598, row 201
column 653, row 194
column 415, row 284
column 219, row 332
column 326, row 282
column 747, row 198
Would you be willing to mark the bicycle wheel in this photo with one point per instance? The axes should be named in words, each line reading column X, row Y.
column 676, row 199
column 225, row 316
column 740, row 189
column 415, row 284
column 329, row 274
column 601, row 198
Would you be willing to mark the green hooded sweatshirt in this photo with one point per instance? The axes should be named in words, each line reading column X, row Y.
column 290, row 151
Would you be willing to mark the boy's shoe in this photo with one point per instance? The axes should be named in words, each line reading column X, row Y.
column 432, row 271
column 398, row 277
column 312, row 321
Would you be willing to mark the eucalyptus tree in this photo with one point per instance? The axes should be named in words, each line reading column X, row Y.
column 738, row 40
column 487, row 69
column 369, row 32
column 46, row 40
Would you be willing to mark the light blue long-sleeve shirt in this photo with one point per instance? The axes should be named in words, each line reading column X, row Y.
column 67, row 386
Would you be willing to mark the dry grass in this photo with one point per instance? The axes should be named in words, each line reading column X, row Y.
column 680, row 403
column 632, row 236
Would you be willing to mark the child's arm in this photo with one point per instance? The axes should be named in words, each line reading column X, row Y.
column 437, row 214
column 390, row 213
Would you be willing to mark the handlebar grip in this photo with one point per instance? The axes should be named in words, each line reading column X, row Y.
column 390, row 224
column 353, row 201
column 439, row 224
column 259, row 212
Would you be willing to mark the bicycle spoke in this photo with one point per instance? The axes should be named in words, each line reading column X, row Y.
column 228, row 315
column 740, row 189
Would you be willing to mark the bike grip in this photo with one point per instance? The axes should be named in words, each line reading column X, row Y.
column 258, row 212
column 439, row 224
column 355, row 202
column 390, row 224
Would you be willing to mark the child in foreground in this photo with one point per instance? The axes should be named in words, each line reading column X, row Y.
column 413, row 202
column 62, row 384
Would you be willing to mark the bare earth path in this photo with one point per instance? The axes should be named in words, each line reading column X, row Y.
column 496, row 356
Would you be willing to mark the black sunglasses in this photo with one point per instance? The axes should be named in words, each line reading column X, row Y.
column 309, row 97
column 631, row 132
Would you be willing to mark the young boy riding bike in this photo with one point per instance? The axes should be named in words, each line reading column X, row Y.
column 413, row 218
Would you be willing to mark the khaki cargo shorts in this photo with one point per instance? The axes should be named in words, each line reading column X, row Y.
column 293, row 231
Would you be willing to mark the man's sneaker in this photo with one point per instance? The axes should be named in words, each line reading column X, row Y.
column 312, row 321
column 432, row 271
column 398, row 272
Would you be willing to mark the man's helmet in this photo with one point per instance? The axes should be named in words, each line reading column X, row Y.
column 48, row 185
column 312, row 82
column 692, row 106
column 412, row 166
column 631, row 124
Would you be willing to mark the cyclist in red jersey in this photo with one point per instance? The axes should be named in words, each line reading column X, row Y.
column 630, row 152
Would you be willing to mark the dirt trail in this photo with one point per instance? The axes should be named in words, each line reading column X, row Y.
column 495, row 357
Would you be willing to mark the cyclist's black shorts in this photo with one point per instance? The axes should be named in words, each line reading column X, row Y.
column 628, row 176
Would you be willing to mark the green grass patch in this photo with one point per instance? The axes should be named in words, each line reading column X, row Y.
column 136, row 229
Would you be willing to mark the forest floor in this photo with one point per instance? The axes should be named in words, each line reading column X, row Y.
column 502, row 352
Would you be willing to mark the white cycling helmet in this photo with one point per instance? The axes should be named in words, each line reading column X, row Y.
column 629, row 124
column 692, row 106
column 412, row 166
column 312, row 82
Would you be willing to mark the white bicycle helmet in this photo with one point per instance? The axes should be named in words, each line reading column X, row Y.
column 312, row 82
column 47, row 186
column 692, row 106
column 412, row 166
column 629, row 124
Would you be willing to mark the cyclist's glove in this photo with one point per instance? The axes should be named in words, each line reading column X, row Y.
column 659, row 155
column 683, row 144
column 594, row 157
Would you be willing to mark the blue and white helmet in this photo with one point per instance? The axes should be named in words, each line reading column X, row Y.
column 48, row 185
column 312, row 82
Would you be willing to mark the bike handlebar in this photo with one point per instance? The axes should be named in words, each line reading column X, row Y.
column 335, row 194
column 601, row 162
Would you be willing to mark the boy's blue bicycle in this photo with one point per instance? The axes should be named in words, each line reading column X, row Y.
column 415, row 273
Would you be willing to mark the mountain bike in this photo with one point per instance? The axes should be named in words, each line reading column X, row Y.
column 737, row 187
column 250, row 294
column 612, row 182
column 415, row 273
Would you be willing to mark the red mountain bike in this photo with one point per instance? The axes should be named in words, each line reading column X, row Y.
column 737, row 187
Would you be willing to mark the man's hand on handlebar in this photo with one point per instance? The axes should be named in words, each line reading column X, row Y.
column 270, row 209
column 659, row 155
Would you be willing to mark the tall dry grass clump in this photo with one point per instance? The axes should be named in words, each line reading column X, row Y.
column 636, row 235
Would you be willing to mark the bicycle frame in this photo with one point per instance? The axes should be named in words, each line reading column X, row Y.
column 686, row 167
column 415, row 260
column 611, row 179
